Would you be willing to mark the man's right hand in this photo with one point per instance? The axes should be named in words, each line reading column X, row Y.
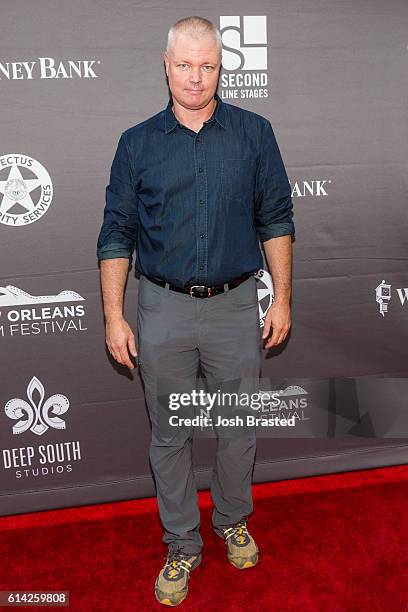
column 120, row 339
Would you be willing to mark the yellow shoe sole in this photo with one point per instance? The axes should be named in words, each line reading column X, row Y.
column 174, row 599
column 167, row 600
column 251, row 562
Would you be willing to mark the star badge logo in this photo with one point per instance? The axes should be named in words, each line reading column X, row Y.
column 265, row 292
column 25, row 190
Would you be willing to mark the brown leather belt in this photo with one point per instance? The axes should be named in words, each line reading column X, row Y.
column 201, row 291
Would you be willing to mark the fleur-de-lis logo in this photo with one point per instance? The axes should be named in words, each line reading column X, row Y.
column 36, row 415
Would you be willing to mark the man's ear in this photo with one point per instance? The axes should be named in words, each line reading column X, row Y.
column 166, row 60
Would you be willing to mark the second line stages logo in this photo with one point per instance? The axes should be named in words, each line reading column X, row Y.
column 244, row 56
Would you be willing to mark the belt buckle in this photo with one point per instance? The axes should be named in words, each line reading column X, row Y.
column 199, row 287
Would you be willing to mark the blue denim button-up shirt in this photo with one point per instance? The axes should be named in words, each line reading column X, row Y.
column 196, row 205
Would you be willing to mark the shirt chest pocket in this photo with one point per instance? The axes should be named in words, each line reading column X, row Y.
column 238, row 179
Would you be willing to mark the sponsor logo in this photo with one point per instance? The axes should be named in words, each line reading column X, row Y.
column 265, row 293
column 48, row 68
column 292, row 402
column 383, row 296
column 13, row 296
column 315, row 188
column 38, row 414
column 18, row 320
column 25, row 190
column 244, row 56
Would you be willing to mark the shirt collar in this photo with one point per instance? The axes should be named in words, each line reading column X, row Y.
column 170, row 120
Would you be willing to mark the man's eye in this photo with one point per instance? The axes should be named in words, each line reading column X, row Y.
column 182, row 64
column 209, row 68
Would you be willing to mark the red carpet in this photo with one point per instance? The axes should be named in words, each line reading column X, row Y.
column 327, row 544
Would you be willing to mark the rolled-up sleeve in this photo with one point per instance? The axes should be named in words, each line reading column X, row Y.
column 273, row 202
column 118, row 233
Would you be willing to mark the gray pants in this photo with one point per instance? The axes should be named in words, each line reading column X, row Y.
column 175, row 335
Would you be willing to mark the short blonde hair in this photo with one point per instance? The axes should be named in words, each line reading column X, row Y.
column 196, row 27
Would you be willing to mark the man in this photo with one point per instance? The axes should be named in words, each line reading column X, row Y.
column 195, row 187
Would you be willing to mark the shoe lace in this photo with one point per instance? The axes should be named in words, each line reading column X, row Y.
column 176, row 560
column 238, row 531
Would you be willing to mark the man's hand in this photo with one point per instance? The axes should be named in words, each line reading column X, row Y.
column 120, row 339
column 279, row 257
column 278, row 320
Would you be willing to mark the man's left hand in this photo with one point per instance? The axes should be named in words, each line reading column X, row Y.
column 278, row 320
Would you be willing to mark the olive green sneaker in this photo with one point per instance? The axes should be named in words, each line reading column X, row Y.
column 241, row 547
column 172, row 582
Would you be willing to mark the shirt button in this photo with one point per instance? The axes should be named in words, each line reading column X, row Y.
column 201, row 202
column 200, row 169
column 202, row 235
column 201, row 267
column 198, row 139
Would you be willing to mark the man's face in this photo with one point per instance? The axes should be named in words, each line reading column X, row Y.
column 192, row 70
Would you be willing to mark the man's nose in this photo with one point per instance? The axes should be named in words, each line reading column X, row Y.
column 195, row 76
